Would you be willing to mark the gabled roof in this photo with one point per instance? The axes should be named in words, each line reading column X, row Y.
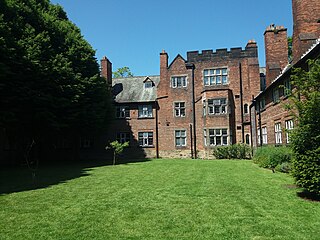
column 178, row 56
column 131, row 89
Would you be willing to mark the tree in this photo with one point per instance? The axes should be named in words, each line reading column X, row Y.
column 305, row 138
column 122, row 72
column 290, row 48
column 49, row 77
column 117, row 149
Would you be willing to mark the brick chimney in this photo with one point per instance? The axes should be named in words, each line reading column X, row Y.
column 306, row 26
column 164, row 84
column 163, row 61
column 106, row 70
column 276, row 48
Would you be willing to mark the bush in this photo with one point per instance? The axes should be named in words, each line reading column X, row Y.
column 285, row 167
column 271, row 157
column 236, row 151
column 306, row 171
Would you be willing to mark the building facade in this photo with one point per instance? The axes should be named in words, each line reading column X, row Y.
column 190, row 110
column 272, row 122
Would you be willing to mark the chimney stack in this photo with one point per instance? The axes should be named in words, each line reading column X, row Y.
column 306, row 26
column 106, row 70
column 276, row 48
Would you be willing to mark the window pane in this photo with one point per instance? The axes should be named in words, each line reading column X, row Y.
column 224, row 79
column 206, row 80
column 218, row 141
column 216, row 109
column 183, row 142
column 218, row 80
column 225, row 140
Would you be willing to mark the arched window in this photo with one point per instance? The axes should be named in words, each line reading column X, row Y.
column 247, row 139
column 246, row 109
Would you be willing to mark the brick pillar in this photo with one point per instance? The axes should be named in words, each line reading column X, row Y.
column 276, row 49
column 106, row 69
column 306, row 26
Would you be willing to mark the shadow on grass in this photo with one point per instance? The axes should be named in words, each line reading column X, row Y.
column 309, row 196
column 21, row 178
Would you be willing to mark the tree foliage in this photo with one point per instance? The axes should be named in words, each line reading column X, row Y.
column 122, row 72
column 117, row 148
column 306, row 136
column 49, row 77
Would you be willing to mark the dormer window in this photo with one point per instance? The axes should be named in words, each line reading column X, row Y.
column 148, row 84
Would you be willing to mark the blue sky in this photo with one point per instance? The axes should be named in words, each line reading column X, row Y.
column 133, row 32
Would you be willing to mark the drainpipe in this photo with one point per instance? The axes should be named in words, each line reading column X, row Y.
column 241, row 103
column 192, row 67
column 157, row 130
column 191, row 144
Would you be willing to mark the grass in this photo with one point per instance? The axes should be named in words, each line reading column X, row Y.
column 158, row 199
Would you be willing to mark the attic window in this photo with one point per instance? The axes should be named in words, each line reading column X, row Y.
column 148, row 84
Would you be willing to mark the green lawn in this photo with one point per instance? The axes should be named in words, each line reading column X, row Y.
column 158, row 199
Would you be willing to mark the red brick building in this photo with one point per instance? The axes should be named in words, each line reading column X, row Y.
column 271, row 122
column 190, row 110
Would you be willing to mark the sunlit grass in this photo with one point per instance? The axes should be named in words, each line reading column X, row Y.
column 160, row 199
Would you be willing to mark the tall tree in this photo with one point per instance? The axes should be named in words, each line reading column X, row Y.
column 49, row 77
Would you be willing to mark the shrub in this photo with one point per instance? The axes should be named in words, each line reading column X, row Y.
column 285, row 167
column 306, row 171
column 236, row 151
column 305, row 138
column 271, row 157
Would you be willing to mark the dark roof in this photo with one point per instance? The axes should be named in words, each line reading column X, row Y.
column 131, row 89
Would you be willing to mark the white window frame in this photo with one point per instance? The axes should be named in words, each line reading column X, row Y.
column 145, row 139
column 289, row 126
column 122, row 112
column 179, row 81
column 180, row 138
column 217, row 136
column 264, row 135
column 215, row 76
column 217, row 106
column 278, row 133
column 145, row 111
column 179, row 109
